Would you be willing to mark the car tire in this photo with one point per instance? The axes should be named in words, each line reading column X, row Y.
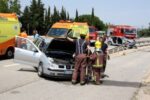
column 40, row 70
column 36, row 68
column 9, row 53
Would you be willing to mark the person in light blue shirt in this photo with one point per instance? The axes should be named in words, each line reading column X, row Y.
column 35, row 34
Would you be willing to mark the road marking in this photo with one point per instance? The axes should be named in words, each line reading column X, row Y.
column 11, row 65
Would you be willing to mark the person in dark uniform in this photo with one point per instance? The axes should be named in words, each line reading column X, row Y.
column 80, row 58
column 106, row 56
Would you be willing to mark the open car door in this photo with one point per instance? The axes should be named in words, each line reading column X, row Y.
column 26, row 52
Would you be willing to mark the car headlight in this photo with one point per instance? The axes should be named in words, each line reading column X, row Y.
column 51, row 60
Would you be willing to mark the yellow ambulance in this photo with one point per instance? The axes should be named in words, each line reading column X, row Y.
column 9, row 28
column 60, row 29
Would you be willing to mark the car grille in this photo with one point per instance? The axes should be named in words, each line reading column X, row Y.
column 66, row 67
column 61, row 66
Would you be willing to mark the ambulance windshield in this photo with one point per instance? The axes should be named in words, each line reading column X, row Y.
column 57, row 32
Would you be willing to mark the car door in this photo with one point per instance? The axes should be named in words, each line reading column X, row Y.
column 26, row 52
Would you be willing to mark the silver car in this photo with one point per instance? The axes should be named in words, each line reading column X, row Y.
column 51, row 57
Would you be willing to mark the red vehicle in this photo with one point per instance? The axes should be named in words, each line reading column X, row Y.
column 119, row 34
column 92, row 34
column 126, row 31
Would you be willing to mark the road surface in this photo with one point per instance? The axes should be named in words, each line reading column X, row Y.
column 20, row 82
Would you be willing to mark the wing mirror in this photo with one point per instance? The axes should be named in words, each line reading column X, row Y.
column 35, row 51
column 69, row 32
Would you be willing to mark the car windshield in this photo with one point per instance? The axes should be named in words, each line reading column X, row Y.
column 129, row 31
column 57, row 32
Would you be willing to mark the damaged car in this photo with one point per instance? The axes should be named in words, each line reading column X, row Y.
column 50, row 57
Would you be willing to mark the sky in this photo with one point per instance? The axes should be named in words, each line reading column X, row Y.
column 126, row 12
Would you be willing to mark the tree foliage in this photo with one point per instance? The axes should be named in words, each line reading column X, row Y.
column 15, row 6
column 48, row 19
column 97, row 22
column 63, row 14
column 55, row 16
column 25, row 19
column 92, row 17
column 10, row 6
column 4, row 7
column 33, row 16
column 77, row 16
column 144, row 32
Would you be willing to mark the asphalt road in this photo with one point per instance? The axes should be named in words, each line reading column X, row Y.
column 20, row 82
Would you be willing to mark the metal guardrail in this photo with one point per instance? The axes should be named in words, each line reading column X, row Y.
column 122, row 47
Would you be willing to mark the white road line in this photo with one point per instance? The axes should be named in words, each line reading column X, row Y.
column 10, row 65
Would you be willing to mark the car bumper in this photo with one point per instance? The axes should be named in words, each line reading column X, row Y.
column 59, row 73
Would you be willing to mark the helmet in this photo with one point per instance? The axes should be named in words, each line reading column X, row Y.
column 23, row 35
column 98, row 45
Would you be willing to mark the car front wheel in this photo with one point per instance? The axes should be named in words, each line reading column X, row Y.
column 40, row 70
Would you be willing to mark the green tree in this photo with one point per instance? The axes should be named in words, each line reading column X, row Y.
column 33, row 14
column 48, row 19
column 92, row 17
column 4, row 6
column 37, row 15
column 97, row 22
column 55, row 16
column 25, row 19
column 40, row 17
column 15, row 6
column 10, row 6
column 77, row 16
column 144, row 32
column 63, row 13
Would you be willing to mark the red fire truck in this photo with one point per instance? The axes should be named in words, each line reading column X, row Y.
column 118, row 33
column 123, row 30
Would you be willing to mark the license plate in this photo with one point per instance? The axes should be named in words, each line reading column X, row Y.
column 68, row 72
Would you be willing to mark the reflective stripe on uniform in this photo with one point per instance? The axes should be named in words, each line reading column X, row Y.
column 80, row 47
column 97, row 65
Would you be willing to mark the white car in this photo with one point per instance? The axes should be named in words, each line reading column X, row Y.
column 52, row 57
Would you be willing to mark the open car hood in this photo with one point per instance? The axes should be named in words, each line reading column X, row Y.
column 60, row 48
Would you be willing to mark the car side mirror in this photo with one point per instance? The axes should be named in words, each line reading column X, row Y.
column 69, row 32
column 35, row 51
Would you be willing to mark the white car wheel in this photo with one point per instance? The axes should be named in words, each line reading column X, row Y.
column 40, row 70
